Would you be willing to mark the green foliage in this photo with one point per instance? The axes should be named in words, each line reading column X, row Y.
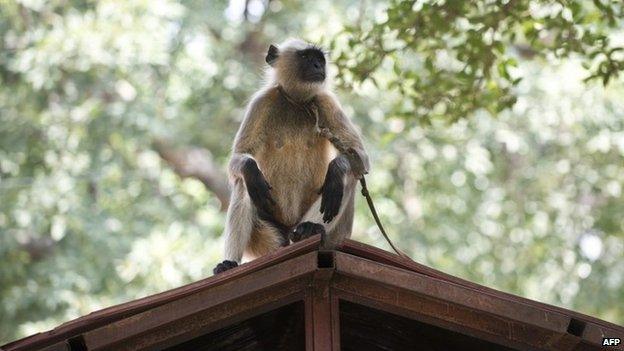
column 452, row 58
column 521, row 193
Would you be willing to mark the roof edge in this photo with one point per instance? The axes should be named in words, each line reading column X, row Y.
column 133, row 307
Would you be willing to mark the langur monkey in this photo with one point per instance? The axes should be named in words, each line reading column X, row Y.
column 288, row 181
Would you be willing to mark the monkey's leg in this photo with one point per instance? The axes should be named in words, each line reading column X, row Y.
column 337, row 229
column 343, row 225
column 238, row 227
column 245, row 232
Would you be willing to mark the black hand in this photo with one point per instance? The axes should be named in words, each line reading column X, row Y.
column 224, row 266
column 332, row 190
column 305, row 230
column 258, row 189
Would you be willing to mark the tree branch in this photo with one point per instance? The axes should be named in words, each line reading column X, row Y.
column 196, row 163
column 38, row 248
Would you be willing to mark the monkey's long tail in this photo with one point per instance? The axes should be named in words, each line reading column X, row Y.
column 371, row 206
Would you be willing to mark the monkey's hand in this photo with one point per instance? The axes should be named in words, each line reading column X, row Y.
column 224, row 266
column 305, row 230
column 332, row 190
column 258, row 189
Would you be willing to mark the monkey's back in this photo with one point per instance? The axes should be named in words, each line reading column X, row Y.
column 293, row 157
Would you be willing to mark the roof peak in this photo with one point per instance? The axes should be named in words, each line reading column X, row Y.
column 353, row 272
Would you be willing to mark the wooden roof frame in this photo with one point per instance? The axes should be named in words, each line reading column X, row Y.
column 354, row 272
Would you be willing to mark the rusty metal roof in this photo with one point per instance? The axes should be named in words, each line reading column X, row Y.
column 357, row 293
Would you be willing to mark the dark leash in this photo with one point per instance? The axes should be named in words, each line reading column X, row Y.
column 371, row 206
column 354, row 159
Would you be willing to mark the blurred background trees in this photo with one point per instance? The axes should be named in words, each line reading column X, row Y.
column 495, row 129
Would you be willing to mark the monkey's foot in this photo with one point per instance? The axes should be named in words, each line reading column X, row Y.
column 224, row 266
column 305, row 230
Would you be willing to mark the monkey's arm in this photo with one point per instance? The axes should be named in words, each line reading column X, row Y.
column 340, row 126
column 251, row 196
column 243, row 164
column 248, row 138
column 352, row 162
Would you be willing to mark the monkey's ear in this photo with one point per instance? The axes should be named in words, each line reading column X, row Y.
column 272, row 55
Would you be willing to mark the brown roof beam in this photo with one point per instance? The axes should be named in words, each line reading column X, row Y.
column 114, row 313
column 455, row 304
column 126, row 330
column 592, row 331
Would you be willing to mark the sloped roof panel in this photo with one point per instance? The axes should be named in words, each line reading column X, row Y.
column 353, row 273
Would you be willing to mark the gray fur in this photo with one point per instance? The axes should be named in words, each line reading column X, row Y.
column 292, row 156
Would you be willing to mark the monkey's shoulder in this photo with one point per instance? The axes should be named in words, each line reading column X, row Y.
column 262, row 101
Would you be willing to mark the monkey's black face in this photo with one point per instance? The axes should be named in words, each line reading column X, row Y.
column 311, row 65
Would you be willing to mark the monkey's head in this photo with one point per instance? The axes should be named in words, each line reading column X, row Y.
column 299, row 67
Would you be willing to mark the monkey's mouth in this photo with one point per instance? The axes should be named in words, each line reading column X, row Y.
column 315, row 77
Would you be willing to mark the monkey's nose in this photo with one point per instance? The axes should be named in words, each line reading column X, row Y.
column 317, row 65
